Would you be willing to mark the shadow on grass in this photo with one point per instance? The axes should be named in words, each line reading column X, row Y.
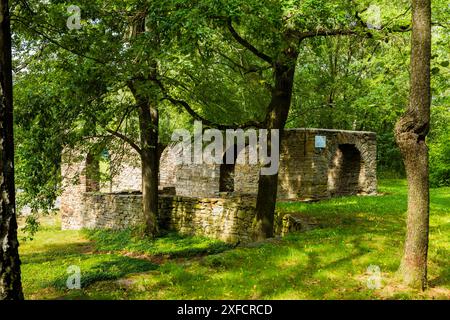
column 274, row 271
column 55, row 252
column 111, row 269
column 171, row 245
column 443, row 279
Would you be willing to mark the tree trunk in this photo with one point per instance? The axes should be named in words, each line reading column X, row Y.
column 411, row 131
column 10, row 282
column 276, row 119
column 148, row 123
column 148, row 127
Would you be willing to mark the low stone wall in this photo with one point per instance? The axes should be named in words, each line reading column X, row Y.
column 229, row 218
column 104, row 211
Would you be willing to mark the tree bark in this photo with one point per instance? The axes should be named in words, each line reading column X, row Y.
column 411, row 131
column 279, row 106
column 148, row 123
column 10, row 280
column 149, row 152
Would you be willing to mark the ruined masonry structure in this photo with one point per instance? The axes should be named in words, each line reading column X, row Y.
column 219, row 200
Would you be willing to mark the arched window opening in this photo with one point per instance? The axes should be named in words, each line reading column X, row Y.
column 344, row 172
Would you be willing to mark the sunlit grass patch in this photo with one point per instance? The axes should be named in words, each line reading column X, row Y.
column 46, row 261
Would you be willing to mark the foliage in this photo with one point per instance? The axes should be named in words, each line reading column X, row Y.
column 70, row 84
column 440, row 112
column 440, row 148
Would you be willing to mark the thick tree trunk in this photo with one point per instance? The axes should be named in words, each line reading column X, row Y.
column 276, row 119
column 148, row 123
column 411, row 131
column 148, row 127
column 10, row 283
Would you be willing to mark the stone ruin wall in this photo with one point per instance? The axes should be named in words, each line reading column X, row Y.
column 114, row 211
column 229, row 219
column 346, row 166
column 74, row 186
column 77, row 185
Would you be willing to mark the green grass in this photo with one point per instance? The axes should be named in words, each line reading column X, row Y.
column 329, row 262
column 171, row 245
column 45, row 263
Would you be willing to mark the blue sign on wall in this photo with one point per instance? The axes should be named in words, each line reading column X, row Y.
column 321, row 142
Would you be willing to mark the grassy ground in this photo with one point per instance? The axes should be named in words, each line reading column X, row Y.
column 330, row 262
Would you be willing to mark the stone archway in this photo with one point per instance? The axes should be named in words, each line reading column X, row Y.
column 345, row 170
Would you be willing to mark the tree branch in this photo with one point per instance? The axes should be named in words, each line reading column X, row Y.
column 198, row 117
column 439, row 24
column 123, row 137
column 325, row 32
column 126, row 139
column 247, row 44
column 355, row 31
